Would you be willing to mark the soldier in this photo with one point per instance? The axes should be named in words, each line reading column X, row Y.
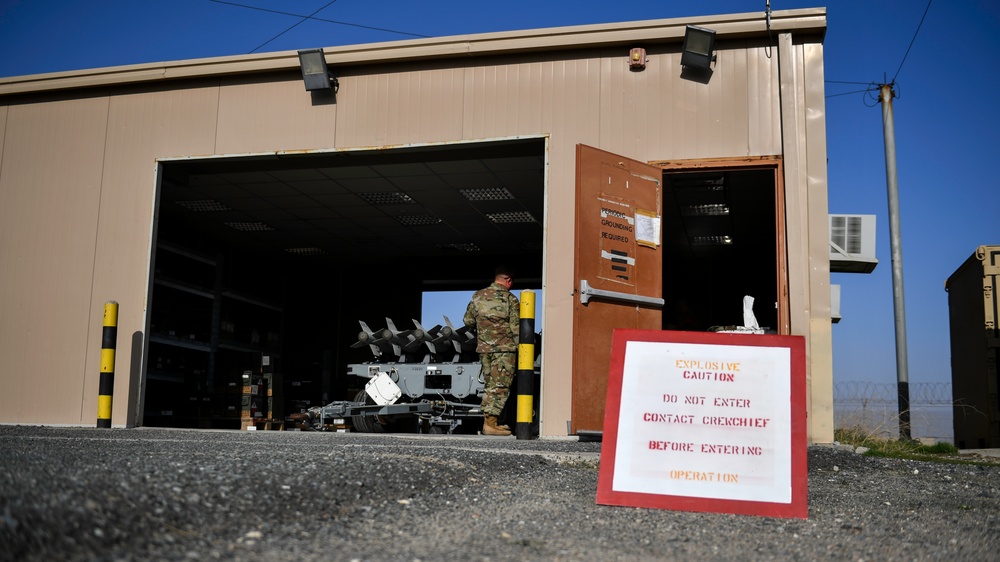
column 494, row 311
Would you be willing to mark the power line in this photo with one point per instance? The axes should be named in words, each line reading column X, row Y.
column 893, row 82
column 847, row 93
column 320, row 19
column 927, row 9
column 296, row 24
column 312, row 17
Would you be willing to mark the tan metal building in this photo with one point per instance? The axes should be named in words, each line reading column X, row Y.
column 279, row 217
column 972, row 319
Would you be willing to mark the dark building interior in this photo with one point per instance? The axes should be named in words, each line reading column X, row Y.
column 282, row 255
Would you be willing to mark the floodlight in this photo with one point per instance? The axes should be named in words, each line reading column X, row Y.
column 699, row 48
column 315, row 74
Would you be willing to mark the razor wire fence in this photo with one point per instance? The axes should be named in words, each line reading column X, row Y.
column 875, row 408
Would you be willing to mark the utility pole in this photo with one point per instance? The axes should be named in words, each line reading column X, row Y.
column 902, row 375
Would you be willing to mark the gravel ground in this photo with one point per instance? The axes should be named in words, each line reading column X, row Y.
column 153, row 494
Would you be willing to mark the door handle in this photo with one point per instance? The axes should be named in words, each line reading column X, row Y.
column 587, row 292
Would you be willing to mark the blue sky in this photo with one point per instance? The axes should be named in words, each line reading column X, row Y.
column 945, row 115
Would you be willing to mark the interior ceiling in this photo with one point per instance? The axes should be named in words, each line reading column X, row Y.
column 482, row 199
column 715, row 212
column 460, row 200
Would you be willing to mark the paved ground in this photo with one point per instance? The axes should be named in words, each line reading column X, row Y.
column 149, row 494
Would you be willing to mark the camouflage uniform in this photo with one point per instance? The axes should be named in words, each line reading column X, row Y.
column 495, row 313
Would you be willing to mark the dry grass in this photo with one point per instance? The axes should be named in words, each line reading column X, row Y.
column 907, row 448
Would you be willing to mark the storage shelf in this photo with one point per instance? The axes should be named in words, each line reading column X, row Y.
column 251, row 300
column 234, row 346
column 186, row 287
column 186, row 253
column 203, row 346
column 180, row 342
column 232, row 330
column 155, row 375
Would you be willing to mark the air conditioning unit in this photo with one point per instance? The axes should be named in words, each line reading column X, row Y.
column 834, row 303
column 852, row 244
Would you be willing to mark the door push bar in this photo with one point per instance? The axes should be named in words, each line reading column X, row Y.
column 586, row 292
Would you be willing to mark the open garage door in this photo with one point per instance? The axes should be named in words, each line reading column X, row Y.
column 618, row 268
column 280, row 257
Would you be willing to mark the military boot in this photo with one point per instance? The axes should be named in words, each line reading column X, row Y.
column 490, row 426
column 500, row 425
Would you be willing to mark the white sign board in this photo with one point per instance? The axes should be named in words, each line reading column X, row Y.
column 705, row 422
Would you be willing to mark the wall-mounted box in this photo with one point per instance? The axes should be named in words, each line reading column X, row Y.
column 975, row 349
column 852, row 244
column 835, row 303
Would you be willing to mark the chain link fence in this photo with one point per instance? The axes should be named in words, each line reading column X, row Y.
column 875, row 408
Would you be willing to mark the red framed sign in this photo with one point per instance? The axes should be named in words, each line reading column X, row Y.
column 706, row 421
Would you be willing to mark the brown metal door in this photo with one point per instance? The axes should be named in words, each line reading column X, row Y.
column 618, row 268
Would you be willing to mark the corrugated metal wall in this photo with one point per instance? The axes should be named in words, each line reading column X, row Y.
column 804, row 153
column 78, row 178
column 50, row 198
column 267, row 116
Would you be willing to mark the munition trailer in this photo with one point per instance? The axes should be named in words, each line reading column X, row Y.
column 428, row 378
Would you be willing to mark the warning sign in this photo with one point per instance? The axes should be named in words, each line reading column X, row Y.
column 617, row 242
column 706, row 422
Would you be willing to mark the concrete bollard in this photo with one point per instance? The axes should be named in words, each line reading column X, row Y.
column 526, row 366
column 109, row 337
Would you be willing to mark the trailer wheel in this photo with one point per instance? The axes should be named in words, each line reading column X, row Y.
column 367, row 424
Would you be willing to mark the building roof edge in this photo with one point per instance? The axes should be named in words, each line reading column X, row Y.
column 807, row 21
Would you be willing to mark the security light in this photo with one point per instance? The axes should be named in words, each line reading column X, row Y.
column 315, row 73
column 699, row 48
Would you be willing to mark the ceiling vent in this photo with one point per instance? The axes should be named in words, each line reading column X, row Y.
column 487, row 194
column 458, row 247
column 511, row 217
column 307, row 251
column 386, row 198
column 203, row 205
column 852, row 243
column 250, row 226
column 417, row 220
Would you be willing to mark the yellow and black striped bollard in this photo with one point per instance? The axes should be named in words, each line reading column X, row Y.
column 526, row 366
column 109, row 336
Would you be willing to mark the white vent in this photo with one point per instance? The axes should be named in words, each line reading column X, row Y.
column 845, row 233
column 834, row 303
column 852, row 243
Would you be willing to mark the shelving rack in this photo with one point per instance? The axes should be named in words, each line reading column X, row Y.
column 203, row 337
